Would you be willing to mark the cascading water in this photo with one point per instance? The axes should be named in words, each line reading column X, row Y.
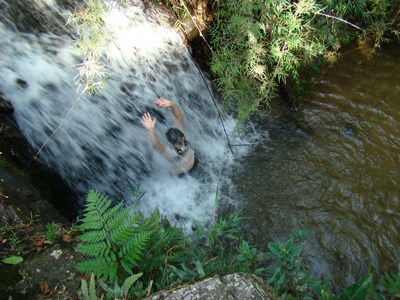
column 102, row 145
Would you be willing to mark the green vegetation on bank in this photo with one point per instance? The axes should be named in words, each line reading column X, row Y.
column 131, row 256
column 139, row 255
column 260, row 44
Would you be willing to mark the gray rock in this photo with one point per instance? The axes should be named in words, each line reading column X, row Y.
column 237, row 286
column 54, row 267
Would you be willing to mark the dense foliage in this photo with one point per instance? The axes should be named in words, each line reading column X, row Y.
column 261, row 43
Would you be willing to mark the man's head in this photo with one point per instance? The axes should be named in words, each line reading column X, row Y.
column 175, row 137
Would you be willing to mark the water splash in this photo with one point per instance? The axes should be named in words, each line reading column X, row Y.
column 103, row 145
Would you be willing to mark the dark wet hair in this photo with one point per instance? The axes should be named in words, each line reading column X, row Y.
column 174, row 135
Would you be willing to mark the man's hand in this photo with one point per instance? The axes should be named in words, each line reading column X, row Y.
column 175, row 110
column 164, row 102
column 148, row 122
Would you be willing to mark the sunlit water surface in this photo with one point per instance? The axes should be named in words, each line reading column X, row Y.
column 333, row 170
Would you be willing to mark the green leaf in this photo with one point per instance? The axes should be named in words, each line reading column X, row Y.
column 288, row 245
column 258, row 271
column 128, row 283
column 386, row 285
column 184, row 275
column 216, row 198
column 194, row 275
column 200, row 269
column 117, row 288
column 269, row 255
column 359, row 290
column 13, row 260
column 378, row 297
column 289, row 257
column 278, row 285
column 397, row 277
column 390, row 281
column 295, row 250
column 274, row 248
column 241, row 257
column 92, row 288
column 85, row 291
column 245, row 246
column 231, row 236
column 259, row 257
column 105, row 287
column 274, row 277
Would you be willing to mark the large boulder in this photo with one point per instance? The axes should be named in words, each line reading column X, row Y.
column 237, row 286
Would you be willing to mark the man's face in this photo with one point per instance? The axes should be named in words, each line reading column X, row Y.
column 179, row 143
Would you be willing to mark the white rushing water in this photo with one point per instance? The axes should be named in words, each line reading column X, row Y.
column 102, row 145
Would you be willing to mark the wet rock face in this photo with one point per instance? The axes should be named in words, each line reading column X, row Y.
column 6, row 107
column 21, row 176
column 19, row 203
column 230, row 287
column 53, row 267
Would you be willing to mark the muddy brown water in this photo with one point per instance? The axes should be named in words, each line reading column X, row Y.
column 333, row 170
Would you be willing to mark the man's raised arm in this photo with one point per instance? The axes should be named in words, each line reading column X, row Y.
column 175, row 110
column 150, row 124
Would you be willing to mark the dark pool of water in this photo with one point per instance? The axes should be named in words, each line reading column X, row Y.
column 333, row 170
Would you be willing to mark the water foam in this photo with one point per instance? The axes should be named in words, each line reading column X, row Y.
column 102, row 145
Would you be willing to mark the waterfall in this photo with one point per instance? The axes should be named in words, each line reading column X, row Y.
column 102, row 145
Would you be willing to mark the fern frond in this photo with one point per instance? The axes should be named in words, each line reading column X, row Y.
column 150, row 223
column 122, row 233
column 98, row 265
column 125, row 262
column 107, row 215
column 103, row 204
column 119, row 216
column 94, row 236
column 131, row 249
column 93, row 197
column 140, row 216
column 91, row 223
column 93, row 249
column 113, row 266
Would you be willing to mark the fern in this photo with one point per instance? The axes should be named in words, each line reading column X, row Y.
column 106, row 265
column 114, row 238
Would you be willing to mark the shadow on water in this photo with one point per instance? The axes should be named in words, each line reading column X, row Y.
column 333, row 170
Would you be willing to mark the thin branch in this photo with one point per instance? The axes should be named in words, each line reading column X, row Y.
column 62, row 123
column 343, row 20
column 205, row 83
column 219, row 114
column 239, row 145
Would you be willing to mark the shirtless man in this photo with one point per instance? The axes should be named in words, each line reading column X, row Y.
column 177, row 151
